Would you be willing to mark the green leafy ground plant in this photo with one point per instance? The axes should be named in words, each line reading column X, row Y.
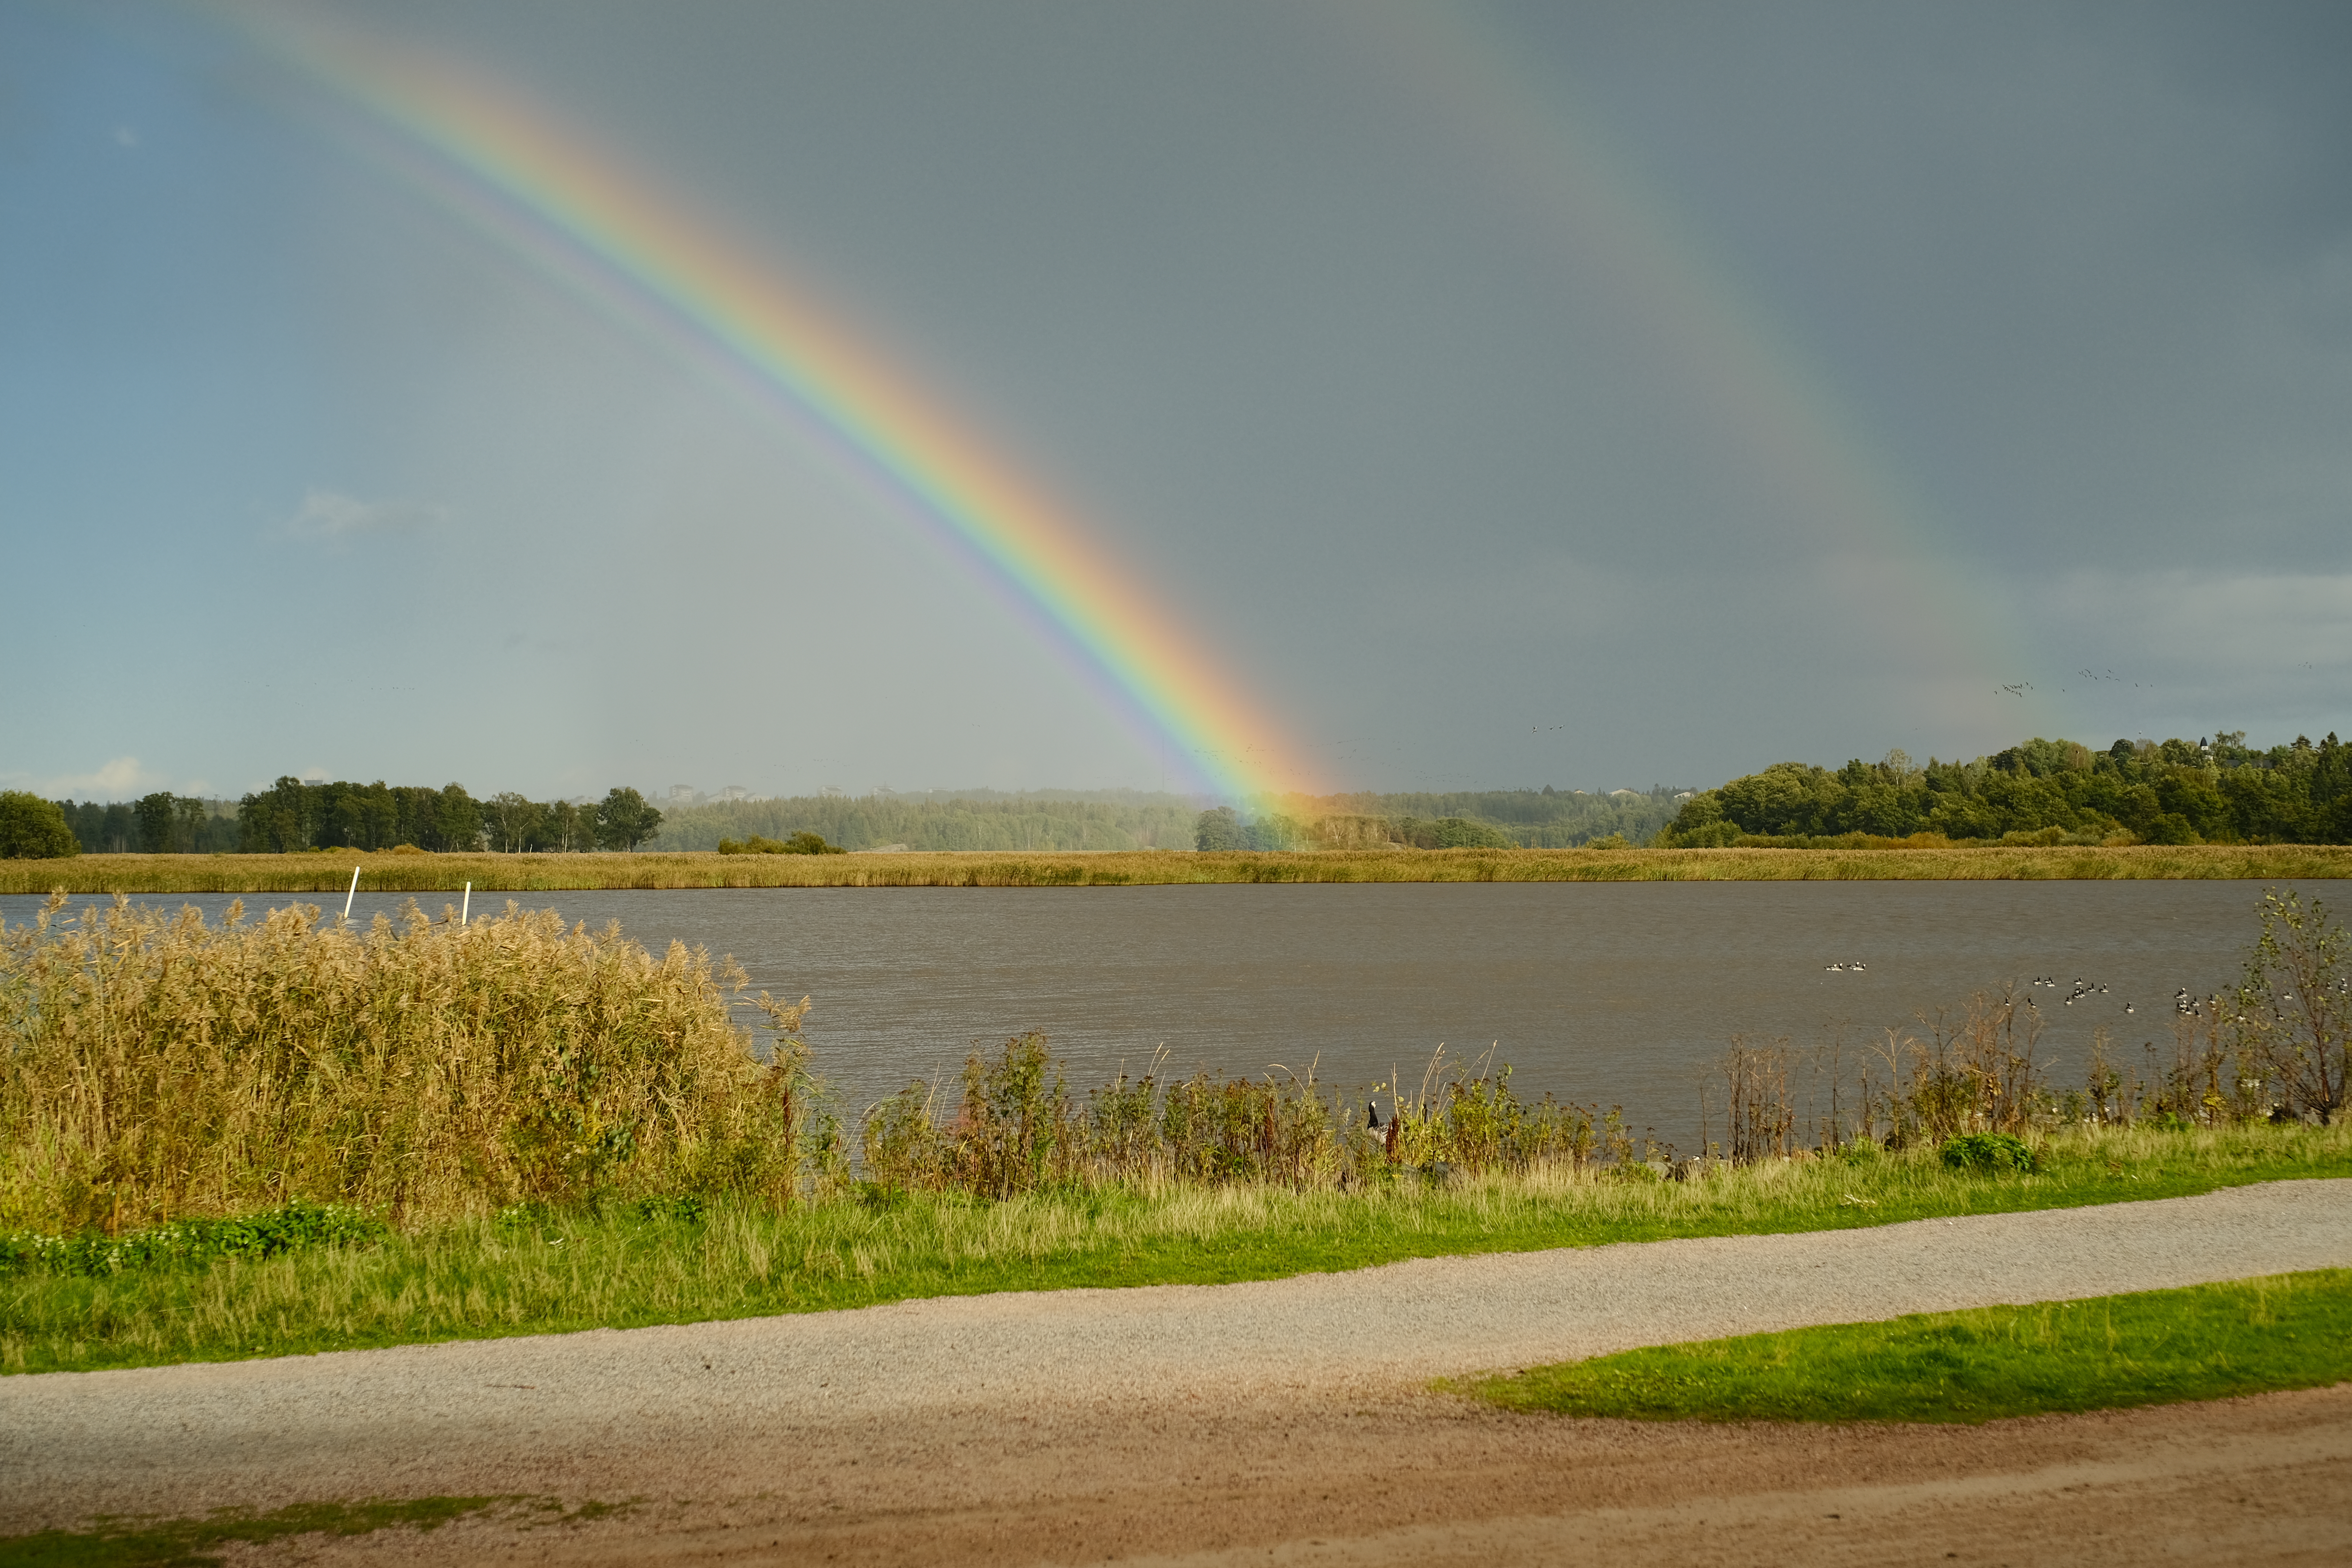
column 2155, row 1347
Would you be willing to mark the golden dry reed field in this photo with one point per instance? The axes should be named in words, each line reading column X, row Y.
column 329, row 871
column 160, row 1067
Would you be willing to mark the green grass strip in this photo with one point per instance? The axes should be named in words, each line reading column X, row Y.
column 623, row 1268
column 2107, row 1353
column 149, row 1542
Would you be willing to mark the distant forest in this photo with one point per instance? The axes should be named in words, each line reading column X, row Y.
column 294, row 814
column 1118, row 819
column 2216, row 791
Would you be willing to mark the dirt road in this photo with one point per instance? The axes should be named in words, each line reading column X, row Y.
column 1286, row 1421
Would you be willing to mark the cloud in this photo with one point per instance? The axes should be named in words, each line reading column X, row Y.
column 122, row 778
column 330, row 514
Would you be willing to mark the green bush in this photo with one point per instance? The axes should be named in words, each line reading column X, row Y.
column 32, row 828
column 798, row 844
column 1987, row 1152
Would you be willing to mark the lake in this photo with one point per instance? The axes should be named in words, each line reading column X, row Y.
column 1608, row 993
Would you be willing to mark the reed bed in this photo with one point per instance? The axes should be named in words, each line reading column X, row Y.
column 156, row 1068
column 329, row 871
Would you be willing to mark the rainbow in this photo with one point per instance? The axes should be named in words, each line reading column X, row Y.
column 1866, row 531
column 743, row 308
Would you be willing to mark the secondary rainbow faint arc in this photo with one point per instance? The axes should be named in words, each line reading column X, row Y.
column 746, row 309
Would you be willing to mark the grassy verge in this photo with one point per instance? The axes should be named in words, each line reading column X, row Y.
column 326, row 873
column 579, row 1269
column 179, row 1543
column 2154, row 1347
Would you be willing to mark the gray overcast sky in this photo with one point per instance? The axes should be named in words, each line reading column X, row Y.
column 1505, row 395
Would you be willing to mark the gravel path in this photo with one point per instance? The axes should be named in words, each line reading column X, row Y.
column 707, row 1409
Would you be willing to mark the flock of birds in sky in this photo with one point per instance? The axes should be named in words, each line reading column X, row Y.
column 2019, row 689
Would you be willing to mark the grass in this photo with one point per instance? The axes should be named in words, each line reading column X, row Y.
column 570, row 1269
column 2154, row 1347
column 329, row 871
column 145, row 1543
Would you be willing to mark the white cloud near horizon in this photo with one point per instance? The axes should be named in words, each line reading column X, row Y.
column 120, row 778
column 330, row 514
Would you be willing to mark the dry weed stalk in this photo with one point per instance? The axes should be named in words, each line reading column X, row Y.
column 1017, row 1128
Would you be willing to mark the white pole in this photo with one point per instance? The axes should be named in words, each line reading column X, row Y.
column 467, row 905
column 353, row 894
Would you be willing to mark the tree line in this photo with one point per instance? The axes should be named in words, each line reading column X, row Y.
column 1049, row 820
column 1221, row 827
column 1044, row 820
column 292, row 815
column 2209, row 791
column 1546, row 818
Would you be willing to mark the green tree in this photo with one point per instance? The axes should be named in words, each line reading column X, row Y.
column 564, row 825
column 512, row 821
column 457, row 820
column 1462, row 833
column 32, row 828
column 625, row 819
column 1218, row 828
column 277, row 820
column 158, row 817
column 190, row 829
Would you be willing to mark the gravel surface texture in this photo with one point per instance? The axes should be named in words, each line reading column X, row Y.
column 1002, row 1404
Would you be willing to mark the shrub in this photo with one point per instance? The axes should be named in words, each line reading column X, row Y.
column 1987, row 1151
column 32, row 828
column 2293, row 1013
column 798, row 844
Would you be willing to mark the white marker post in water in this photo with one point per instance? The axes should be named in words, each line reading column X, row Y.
column 466, row 906
column 353, row 894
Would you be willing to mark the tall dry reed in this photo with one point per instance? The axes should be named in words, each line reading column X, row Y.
column 156, row 1067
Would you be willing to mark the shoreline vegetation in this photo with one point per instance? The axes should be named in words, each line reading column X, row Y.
column 2041, row 794
column 324, row 871
column 541, row 1269
column 294, row 1134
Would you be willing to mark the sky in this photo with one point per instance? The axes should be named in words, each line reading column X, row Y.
column 1216, row 397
